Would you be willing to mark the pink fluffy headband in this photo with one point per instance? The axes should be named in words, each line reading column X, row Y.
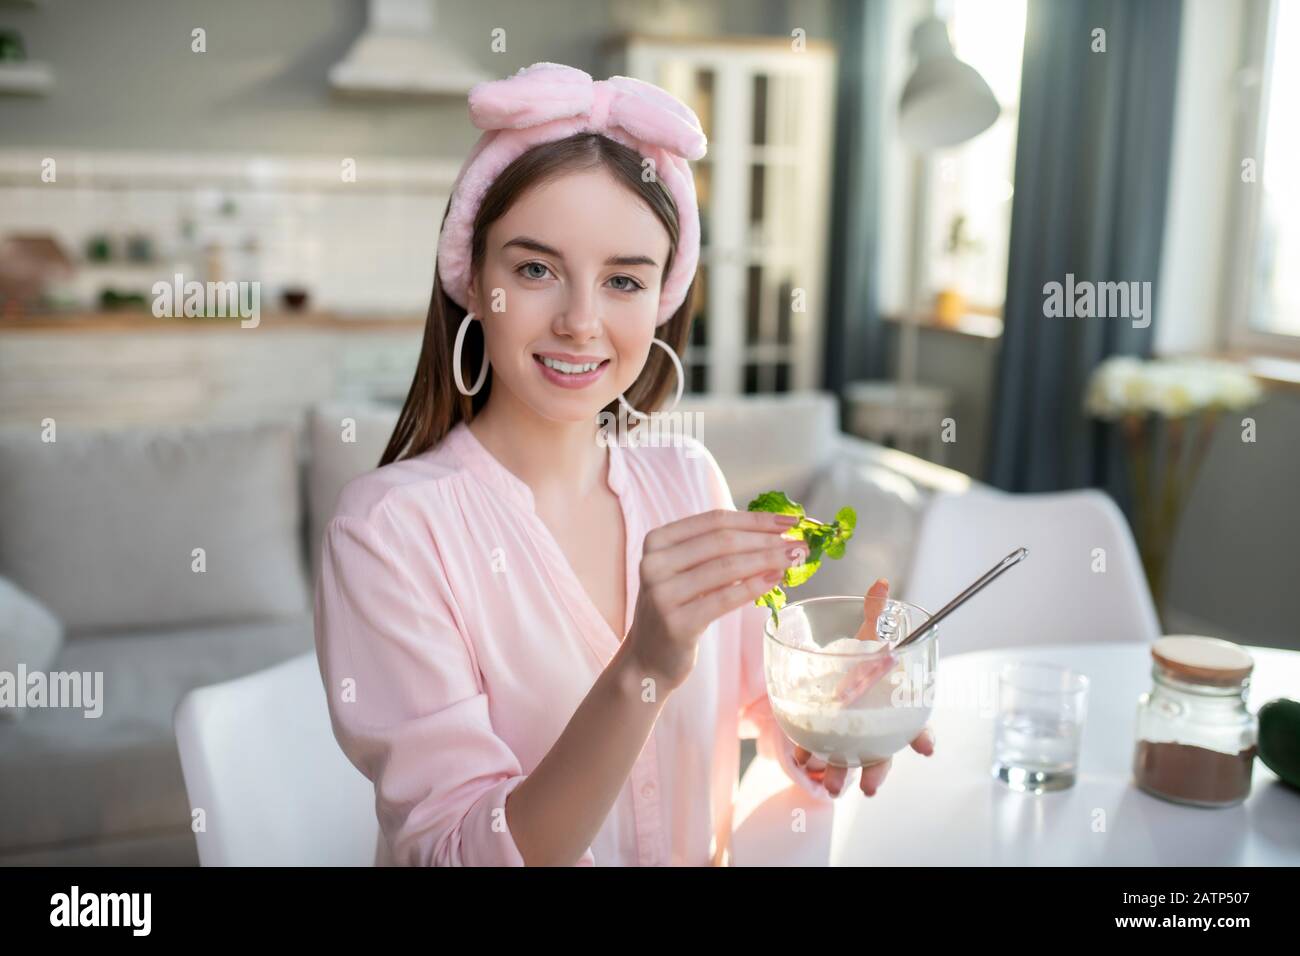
column 549, row 101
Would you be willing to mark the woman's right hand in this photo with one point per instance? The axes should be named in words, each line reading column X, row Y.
column 697, row 569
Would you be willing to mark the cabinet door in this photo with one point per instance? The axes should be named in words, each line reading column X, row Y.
column 780, row 225
column 704, row 83
column 762, row 190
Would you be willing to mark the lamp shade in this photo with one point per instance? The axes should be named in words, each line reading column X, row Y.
column 945, row 101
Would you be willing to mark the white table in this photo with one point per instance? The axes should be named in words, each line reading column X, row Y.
column 948, row 809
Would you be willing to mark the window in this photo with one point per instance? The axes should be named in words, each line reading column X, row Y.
column 970, row 215
column 1265, row 294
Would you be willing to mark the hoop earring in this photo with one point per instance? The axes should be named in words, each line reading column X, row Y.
column 455, row 359
column 681, row 381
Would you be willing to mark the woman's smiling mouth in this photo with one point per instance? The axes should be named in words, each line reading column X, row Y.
column 570, row 374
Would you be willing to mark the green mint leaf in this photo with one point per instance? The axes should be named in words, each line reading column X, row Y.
column 775, row 502
column 800, row 573
column 847, row 519
column 823, row 540
column 775, row 599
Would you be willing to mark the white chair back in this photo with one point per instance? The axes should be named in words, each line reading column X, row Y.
column 1083, row 580
column 260, row 760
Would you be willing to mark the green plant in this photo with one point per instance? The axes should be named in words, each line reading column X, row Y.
column 823, row 540
column 960, row 241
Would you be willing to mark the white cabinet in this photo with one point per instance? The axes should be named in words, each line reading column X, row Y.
column 764, row 187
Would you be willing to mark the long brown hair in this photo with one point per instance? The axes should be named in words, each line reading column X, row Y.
column 434, row 405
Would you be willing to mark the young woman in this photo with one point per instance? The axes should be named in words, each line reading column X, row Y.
column 539, row 644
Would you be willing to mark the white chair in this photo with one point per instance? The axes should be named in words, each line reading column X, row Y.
column 1059, row 594
column 260, row 759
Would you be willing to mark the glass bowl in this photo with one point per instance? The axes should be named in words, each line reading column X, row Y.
column 848, row 701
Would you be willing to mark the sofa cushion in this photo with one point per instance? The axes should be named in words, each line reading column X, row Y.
column 102, row 525
column 888, row 507
column 66, row 777
column 29, row 635
column 346, row 439
column 766, row 442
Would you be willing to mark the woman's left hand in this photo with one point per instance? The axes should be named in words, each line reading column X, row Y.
column 873, row 775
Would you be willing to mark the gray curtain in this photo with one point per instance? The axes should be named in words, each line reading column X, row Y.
column 1092, row 171
column 854, row 340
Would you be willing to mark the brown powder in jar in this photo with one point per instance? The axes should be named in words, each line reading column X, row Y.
column 1197, row 775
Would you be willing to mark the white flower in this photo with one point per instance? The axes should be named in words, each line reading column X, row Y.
column 1236, row 387
column 1115, row 387
column 1175, row 389
column 1171, row 387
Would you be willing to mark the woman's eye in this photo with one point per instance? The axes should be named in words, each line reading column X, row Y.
column 529, row 265
column 631, row 287
column 524, row 270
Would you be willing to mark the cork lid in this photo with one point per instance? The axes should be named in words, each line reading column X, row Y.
column 1202, row 660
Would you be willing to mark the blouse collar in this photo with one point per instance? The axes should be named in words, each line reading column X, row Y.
column 484, row 465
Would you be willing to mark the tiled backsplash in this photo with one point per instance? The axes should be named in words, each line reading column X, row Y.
column 359, row 234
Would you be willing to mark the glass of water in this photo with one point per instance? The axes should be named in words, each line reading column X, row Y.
column 1041, row 708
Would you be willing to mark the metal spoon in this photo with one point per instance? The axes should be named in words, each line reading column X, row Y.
column 859, row 680
column 1012, row 559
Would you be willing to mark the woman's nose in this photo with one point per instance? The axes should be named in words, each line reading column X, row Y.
column 580, row 318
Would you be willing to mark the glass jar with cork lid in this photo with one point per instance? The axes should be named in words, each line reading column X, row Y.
column 1195, row 738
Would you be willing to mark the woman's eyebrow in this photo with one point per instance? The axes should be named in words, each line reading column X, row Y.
column 525, row 242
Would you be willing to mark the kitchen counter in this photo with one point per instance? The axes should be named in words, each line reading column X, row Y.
column 115, row 368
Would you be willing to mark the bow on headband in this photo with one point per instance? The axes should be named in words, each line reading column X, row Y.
column 549, row 91
column 549, row 101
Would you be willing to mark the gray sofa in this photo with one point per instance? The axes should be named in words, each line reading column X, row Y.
column 180, row 556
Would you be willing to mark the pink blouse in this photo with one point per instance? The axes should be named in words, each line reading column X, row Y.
column 455, row 642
